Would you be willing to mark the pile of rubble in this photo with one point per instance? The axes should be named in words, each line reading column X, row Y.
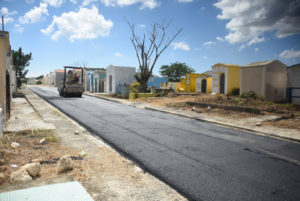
column 31, row 170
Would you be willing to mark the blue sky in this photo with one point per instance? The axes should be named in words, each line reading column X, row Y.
column 94, row 32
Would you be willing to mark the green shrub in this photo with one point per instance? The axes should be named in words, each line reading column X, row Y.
column 38, row 82
column 249, row 94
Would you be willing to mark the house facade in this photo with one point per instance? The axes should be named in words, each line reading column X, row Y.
column 117, row 76
column 225, row 78
column 267, row 79
column 204, row 83
column 93, row 79
column 7, row 78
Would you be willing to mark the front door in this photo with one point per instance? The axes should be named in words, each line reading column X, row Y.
column 222, row 83
column 203, row 86
column 7, row 95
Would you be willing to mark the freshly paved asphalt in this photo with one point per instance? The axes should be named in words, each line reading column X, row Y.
column 200, row 160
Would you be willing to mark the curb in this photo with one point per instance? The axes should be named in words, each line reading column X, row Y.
column 104, row 98
column 222, row 124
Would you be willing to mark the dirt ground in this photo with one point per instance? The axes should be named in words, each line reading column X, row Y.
column 105, row 174
column 290, row 113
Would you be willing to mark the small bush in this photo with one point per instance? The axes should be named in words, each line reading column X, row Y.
column 38, row 82
column 235, row 92
column 249, row 94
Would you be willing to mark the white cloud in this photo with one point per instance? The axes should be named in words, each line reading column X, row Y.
column 249, row 19
column 145, row 3
column 19, row 28
column 54, row 3
column 205, row 57
column 290, row 54
column 256, row 49
column 181, row 46
column 142, row 26
column 35, row 14
column 220, row 39
column 7, row 15
column 251, row 42
column 118, row 54
column 209, row 43
column 89, row 25
column 73, row 1
column 185, row 1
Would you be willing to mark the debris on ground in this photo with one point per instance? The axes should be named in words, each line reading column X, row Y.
column 64, row 164
column 15, row 145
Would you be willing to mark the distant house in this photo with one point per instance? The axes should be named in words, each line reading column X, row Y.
column 189, row 83
column 118, row 76
column 58, row 76
column 293, row 84
column 31, row 81
column 156, row 82
column 225, row 78
column 204, row 82
column 267, row 79
column 93, row 79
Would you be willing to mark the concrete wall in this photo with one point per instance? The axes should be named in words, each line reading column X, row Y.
column 267, row 79
column 276, row 81
column 248, row 75
column 233, row 79
column 116, row 75
column 59, row 76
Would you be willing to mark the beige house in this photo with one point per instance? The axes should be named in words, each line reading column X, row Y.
column 266, row 79
column 7, row 77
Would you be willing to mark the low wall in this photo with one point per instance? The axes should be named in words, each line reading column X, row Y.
column 1, row 122
column 141, row 95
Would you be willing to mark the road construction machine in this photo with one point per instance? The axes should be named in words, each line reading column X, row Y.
column 72, row 83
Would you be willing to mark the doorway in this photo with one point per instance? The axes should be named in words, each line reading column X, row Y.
column 7, row 94
column 222, row 83
column 203, row 85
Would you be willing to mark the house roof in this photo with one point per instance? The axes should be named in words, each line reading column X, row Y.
column 93, row 69
column 295, row 66
column 260, row 63
column 227, row 65
column 59, row 70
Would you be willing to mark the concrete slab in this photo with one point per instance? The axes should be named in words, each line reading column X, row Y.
column 61, row 191
column 24, row 117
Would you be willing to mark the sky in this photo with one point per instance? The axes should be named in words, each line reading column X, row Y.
column 95, row 33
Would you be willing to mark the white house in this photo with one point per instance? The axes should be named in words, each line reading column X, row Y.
column 117, row 76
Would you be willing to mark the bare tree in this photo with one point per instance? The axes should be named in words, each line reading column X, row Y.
column 149, row 50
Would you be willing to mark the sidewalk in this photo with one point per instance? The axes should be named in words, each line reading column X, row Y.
column 247, row 124
column 104, row 173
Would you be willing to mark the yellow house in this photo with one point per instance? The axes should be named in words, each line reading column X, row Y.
column 204, row 83
column 189, row 82
column 225, row 78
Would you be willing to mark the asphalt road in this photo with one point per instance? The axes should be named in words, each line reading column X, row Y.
column 200, row 160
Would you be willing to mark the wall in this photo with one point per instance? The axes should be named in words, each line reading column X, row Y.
column 59, row 76
column 248, row 75
column 155, row 81
column 232, row 80
column 216, row 72
column 190, row 78
column 208, row 84
column 294, row 81
column 276, row 81
column 120, row 75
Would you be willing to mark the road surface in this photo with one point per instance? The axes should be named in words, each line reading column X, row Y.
column 202, row 161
